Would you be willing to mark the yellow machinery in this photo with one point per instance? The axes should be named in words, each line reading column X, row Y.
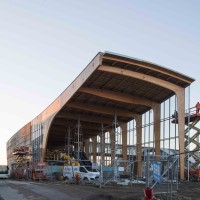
column 58, row 155
column 71, row 161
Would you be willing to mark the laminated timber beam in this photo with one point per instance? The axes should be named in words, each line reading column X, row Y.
column 149, row 66
column 88, row 136
column 84, row 125
column 140, row 76
column 116, row 96
column 58, row 128
column 73, row 123
column 64, row 129
column 87, row 118
column 102, row 109
column 88, row 133
column 68, row 123
column 59, row 136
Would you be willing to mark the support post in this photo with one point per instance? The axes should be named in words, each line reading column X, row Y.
column 87, row 143
column 181, row 130
column 124, row 144
column 94, row 148
column 102, row 144
column 156, row 111
column 115, row 145
column 139, row 144
column 112, row 146
column 78, row 138
column 68, row 141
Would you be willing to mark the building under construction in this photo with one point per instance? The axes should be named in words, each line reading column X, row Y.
column 117, row 112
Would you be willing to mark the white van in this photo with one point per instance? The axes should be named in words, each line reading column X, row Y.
column 96, row 171
column 3, row 171
column 69, row 173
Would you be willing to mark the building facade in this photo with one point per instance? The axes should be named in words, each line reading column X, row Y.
column 109, row 94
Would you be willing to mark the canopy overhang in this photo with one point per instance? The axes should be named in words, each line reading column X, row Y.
column 113, row 85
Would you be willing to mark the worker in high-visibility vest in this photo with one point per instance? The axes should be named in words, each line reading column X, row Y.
column 78, row 178
column 197, row 107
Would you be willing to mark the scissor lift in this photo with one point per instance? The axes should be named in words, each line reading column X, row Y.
column 192, row 136
column 21, row 154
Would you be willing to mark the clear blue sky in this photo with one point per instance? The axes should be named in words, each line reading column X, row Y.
column 45, row 44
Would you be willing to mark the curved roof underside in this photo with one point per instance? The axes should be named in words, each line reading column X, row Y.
column 115, row 84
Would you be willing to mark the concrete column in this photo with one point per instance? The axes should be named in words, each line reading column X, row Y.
column 156, row 111
column 181, row 130
column 87, row 144
column 94, row 148
column 139, row 144
column 124, row 143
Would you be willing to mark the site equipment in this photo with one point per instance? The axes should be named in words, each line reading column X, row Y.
column 194, row 174
column 22, row 161
column 39, row 171
column 192, row 134
column 70, row 161
column 69, row 173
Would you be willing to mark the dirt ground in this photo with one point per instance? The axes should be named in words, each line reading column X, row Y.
column 86, row 191
column 186, row 191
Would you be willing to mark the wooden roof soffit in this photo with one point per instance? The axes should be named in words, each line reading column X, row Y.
column 74, row 124
column 140, row 76
column 116, row 96
column 87, row 118
column 151, row 67
column 102, row 109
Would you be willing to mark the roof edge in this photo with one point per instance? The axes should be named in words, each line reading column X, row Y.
column 154, row 65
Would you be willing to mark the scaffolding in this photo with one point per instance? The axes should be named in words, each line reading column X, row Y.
column 169, row 140
column 68, row 141
column 78, row 140
column 22, row 161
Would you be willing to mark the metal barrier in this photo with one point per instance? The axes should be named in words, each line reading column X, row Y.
column 162, row 176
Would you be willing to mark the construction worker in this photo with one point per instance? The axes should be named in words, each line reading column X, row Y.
column 197, row 107
column 78, row 178
column 175, row 115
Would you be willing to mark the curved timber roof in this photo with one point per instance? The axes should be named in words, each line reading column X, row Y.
column 112, row 84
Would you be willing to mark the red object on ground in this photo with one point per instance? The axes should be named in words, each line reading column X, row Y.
column 148, row 194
